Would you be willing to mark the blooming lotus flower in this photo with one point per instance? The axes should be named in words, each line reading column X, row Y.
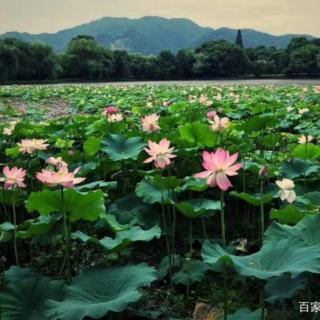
column 219, row 165
column 160, row 153
column 110, row 110
column 150, row 123
column 57, row 162
column 303, row 111
column 203, row 99
column 218, row 124
column 116, row 117
column 305, row 139
column 211, row 115
column 290, row 109
column 13, row 178
column 218, row 97
column 63, row 177
column 286, row 192
column 166, row 103
column 32, row 145
column 8, row 131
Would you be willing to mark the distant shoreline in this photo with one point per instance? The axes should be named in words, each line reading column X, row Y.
column 237, row 81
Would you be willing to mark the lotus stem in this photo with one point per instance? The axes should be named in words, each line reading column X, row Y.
column 15, row 230
column 261, row 213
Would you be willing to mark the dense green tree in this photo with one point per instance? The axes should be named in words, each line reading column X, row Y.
column 303, row 60
column 86, row 59
column 121, row 68
column 239, row 40
column 220, row 58
column 185, row 60
column 167, row 65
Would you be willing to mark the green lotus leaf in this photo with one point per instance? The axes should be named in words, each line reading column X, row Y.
column 195, row 208
column 306, row 151
column 287, row 215
column 284, row 287
column 97, row 291
column 199, row 134
column 245, row 314
column 150, row 192
column 191, row 272
column 92, row 146
column 298, row 168
column 81, row 206
column 254, row 199
column 133, row 234
column 119, row 147
column 286, row 249
column 25, row 294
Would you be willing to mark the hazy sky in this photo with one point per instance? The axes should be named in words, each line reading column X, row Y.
column 274, row 16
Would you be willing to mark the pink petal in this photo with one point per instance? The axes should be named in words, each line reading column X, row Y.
column 223, row 182
column 202, row 175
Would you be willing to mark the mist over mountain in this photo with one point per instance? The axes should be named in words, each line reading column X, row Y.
column 150, row 35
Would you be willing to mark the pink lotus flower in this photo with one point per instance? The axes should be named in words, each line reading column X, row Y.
column 32, row 145
column 211, row 115
column 166, row 103
column 57, row 162
column 160, row 153
column 63, row 177
column 13, row 178
column 218, row 124
column 150, row 123
column 218, row 166
column 110, row 110
column 286, row 192
column 203, row 99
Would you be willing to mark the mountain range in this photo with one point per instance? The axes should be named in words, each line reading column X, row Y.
column 150, row 35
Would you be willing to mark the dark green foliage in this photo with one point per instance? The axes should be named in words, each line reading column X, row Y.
column 86, row 59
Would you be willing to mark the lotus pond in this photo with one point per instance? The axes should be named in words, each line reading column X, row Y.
column 159, row 202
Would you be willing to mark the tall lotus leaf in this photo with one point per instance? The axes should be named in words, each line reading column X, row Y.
column 25, row 294
column 288, row 215
column 98, row 291
column 284, row 287
column 92, row 146
column 245, row 314
column 199, row 134
column 119, row 147
column 150, row 192
column 195, row 208
column 286, row 249
column 306, row 232
column 254, row 199
column 191, row 272
column 133, row 234
column 81, row 206
column 306, row 151
column 257, row 123
column 39, row 226
column 298, row 168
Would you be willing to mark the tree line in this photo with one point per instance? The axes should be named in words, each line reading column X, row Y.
column 85, row 59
